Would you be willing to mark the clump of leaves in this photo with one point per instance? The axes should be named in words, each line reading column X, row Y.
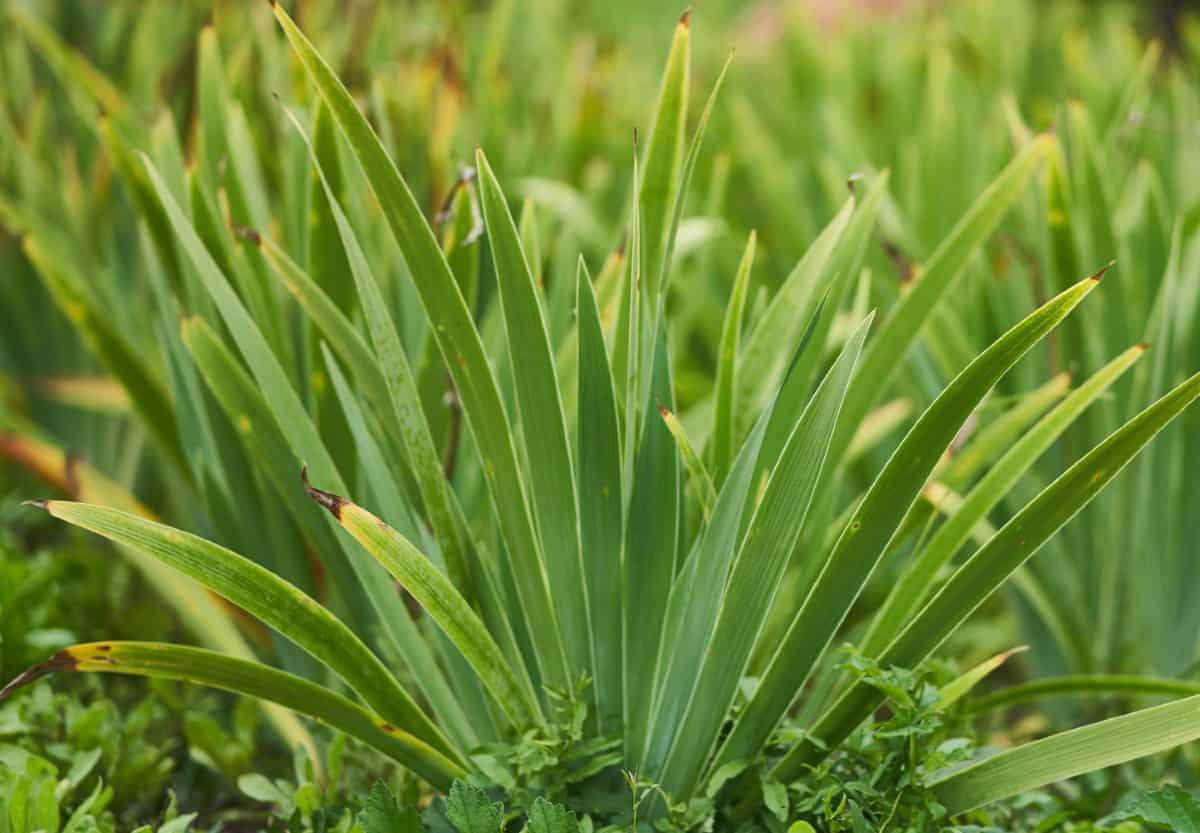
column 877, row 779
column 551, row 761
column 61, row 755
column 557, row 520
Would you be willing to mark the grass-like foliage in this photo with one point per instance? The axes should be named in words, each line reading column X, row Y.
column 499, row 528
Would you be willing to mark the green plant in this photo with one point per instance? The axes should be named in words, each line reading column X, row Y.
column 567, row 542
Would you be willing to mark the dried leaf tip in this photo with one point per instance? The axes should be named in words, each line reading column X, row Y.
column 1144, row 346
column 664, row 411
column 1099, row 273
column 37, row 504
column 63, row 660
column 330, row 501
column 685, row 19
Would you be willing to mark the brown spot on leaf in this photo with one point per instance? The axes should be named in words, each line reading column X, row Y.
column 901, row 262
column 247, row 233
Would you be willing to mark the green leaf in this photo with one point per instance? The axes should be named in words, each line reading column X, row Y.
column 697, row 593
column 261, row 593
column 873, row 524
column 451, row 708
column 551, row 479
column 685, row 175
column 461, row 347
column 987, row 570
column 261, row 788
column 471, row 811
column 601, row 508
column 1068, row 754
column 209, row 668
column 1170, row 805
column 661, row 171
column 919, row 576
column 775, row 797
column 763, row 362
column 407, row 414
column 1082, row 685
column 383, row 813
column 903, row 324
column 706, row 494
column 332, row 323
column 960, row 686
column 547, row 817
column 726, row 403
column 757, row 574
column 436, row 594
column 651, row 544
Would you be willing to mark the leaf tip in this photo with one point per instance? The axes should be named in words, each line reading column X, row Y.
column 1144, row 346
column 685, row 19
column 63, row 660
column 37, row 504
column 1099, row 273
column 328, row 500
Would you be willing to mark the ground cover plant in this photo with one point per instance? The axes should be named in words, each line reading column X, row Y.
column 588, row 545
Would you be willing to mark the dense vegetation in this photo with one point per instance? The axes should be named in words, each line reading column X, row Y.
column 590, row 430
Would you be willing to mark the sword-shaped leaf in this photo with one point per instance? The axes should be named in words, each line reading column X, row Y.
column 1067, row 754
column 865, row 538
column 436, row 594
column 985, row 571
column 263, row 594
column 209, row 668
column 461, row 347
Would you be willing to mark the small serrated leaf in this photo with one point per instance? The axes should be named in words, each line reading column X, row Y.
column 1170, row 805
column 548, row 817
column 383, row 813
column 471, row 811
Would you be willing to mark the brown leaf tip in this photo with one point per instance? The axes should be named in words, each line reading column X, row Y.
column 329, row 500
column 1099, row 273
column 37, row 504
column 62, row 661
column 1144, row 346
column 685, row 19
column 664, row 411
